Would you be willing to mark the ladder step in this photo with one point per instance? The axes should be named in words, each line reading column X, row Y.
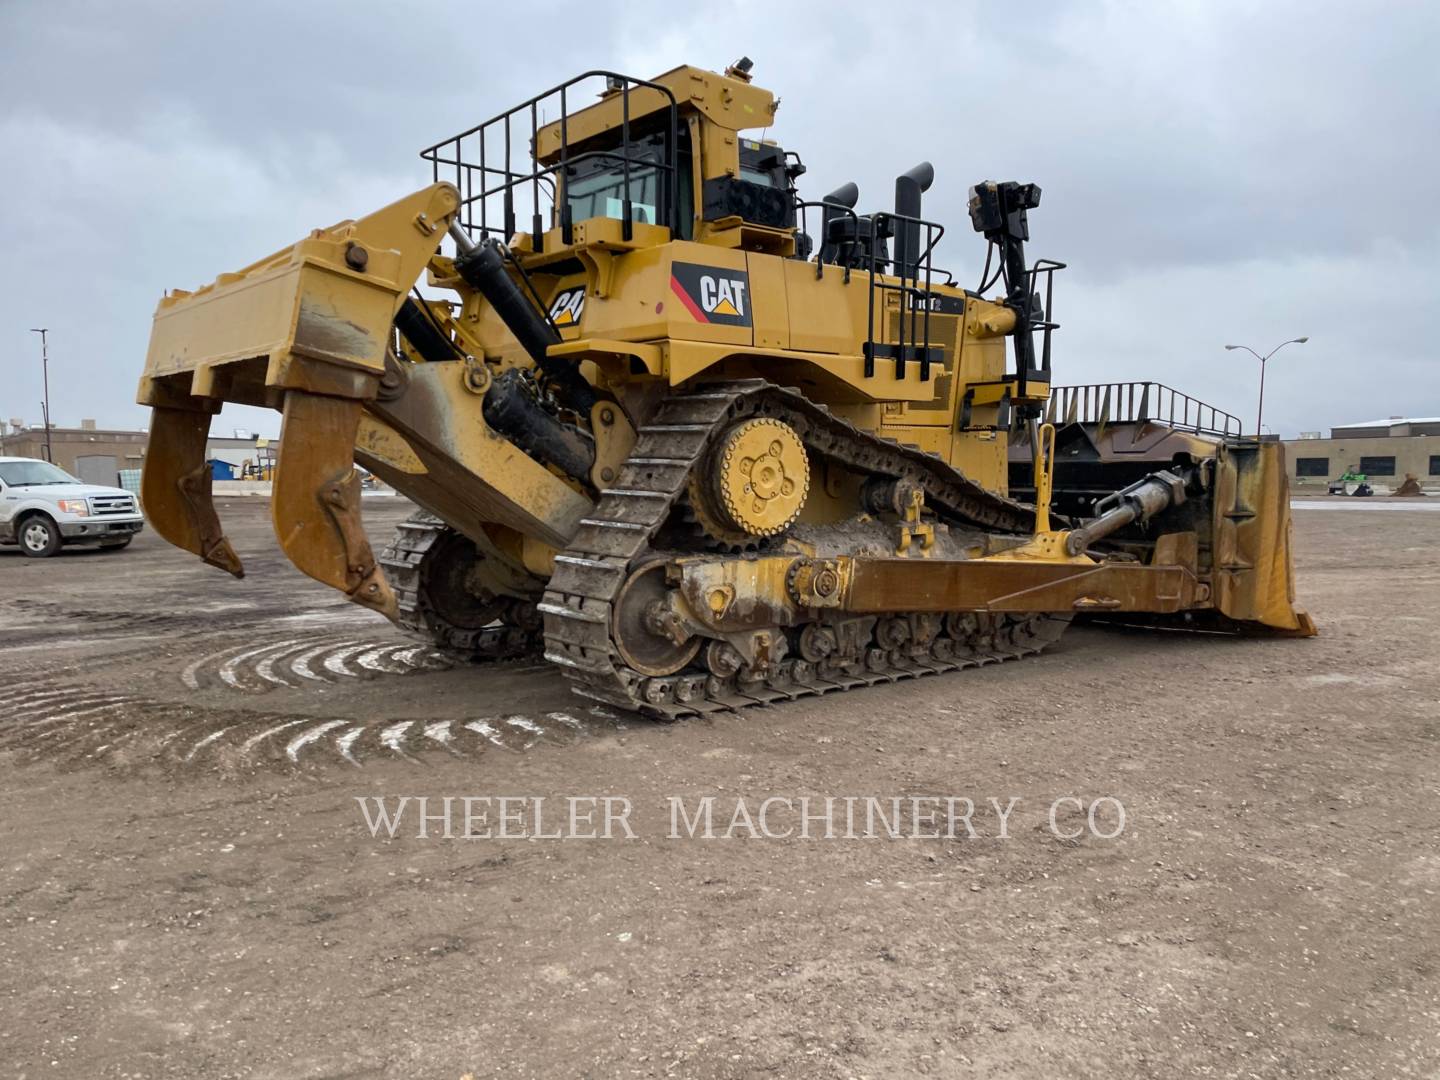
column 637, row 493
column 660, row 429
column 656, row 461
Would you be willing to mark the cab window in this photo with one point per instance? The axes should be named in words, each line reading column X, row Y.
column 595, row 181
column 762, row 163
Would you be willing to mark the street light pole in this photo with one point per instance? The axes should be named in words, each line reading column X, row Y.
column 45, row 371
column 1260, row 409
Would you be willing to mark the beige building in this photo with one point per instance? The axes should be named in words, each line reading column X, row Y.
column 1385, row 451
column 98, row 456
column 94, row 455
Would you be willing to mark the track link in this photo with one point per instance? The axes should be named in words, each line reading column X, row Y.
column 405, row 566
column 578, row 604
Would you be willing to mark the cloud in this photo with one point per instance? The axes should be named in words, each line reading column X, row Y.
column 1212, row 171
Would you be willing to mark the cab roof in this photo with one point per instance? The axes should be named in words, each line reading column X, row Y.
column 725, row 101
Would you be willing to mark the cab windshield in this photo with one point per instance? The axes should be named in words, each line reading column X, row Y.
column 595, row 180
column 33, row 473
column 602, row 193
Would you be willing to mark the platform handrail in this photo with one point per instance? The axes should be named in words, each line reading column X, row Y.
column 1138, row 402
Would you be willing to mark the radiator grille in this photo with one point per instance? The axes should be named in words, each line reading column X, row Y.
column 103, row 505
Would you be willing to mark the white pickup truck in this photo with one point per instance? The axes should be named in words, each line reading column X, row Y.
column 43, row 507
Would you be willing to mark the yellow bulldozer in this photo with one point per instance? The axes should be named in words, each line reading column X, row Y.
column 698, row 441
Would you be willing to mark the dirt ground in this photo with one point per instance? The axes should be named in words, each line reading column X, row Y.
column 190, row 888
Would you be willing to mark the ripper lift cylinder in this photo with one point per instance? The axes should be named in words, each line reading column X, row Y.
column 482, row 266
column 421, row 333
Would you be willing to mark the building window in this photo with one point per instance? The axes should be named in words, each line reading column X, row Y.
column 1312, row 466
column 1435, row 464
column 1377, row 466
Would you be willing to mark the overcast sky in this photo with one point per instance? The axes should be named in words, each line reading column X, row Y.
column 1213, row 172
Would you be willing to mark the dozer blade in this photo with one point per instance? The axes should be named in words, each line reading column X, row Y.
column 315, row 505
column 1254, row 566
column 175, row 487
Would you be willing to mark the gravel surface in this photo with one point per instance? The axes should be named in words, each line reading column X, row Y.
column 191, row 888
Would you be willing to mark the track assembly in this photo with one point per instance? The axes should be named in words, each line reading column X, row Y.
column 604, row 611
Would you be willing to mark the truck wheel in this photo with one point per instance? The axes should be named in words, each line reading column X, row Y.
column 116, row 545
column 39, row 536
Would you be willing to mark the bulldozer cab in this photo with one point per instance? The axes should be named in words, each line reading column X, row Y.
column 662, row 154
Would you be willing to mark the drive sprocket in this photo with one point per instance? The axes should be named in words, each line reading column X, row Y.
column 752, row 484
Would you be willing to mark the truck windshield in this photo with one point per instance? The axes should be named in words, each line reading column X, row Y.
column 26, row 473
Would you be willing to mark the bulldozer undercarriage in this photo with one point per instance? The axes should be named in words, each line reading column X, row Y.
column 429, row 565
column 598, row 622
column 608, row 620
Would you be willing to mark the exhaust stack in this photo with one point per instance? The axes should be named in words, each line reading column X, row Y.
column 844, row 197
column 909, row 187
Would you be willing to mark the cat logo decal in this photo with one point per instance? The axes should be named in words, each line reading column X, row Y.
column 712, row 295
column 568, row 306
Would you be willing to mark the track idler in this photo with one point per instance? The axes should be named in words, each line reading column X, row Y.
column 315, row 505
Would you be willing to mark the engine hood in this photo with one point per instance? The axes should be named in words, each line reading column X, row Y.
column 69, row 491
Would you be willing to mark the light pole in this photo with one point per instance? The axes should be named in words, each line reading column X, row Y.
column 45, row 405
column 1260, row 410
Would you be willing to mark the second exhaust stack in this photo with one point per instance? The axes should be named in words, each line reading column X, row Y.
column 909, row 186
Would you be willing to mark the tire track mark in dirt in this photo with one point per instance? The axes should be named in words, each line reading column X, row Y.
column 206, row 721
column 202, row 675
